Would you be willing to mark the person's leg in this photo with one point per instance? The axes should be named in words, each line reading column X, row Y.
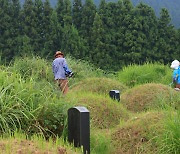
column 178, row 86
column 63, row 83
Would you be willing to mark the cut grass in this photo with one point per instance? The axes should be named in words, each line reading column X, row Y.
column 19, row 144
column 144, row 97
column 137, row 134
column 99, row 85
column 104, row 112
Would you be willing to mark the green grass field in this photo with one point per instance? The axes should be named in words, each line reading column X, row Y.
column 33, row 112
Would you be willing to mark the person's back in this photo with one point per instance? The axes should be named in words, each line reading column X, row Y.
column 58, row 68
column 176, row 73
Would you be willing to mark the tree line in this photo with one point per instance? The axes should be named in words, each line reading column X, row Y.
column 110, row 36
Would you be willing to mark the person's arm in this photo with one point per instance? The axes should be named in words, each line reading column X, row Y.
column 66, row 68
column 175, row 75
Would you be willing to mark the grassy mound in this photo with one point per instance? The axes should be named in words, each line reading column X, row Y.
column 99, row 85
column 147, row 96
column 136, row 135
column 139, row 74
column 104, row 112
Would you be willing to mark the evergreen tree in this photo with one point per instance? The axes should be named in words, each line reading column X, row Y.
column 77, row 13
column 72, row 43
column 98, row 54
column 67, row 13
column 9, row 15
column 38, row 39
column 55, row 34
column 47, row 11
column 59, row 10
column 88, row 14
column 166, row 43
column 28, row 21
column 145, row 30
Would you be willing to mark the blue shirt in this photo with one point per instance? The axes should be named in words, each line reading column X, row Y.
column 176, row 75
column 60, row 67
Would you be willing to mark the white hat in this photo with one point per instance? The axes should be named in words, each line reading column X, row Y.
column 175, row 64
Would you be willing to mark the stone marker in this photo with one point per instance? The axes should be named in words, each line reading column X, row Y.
column 114, row 94
column 79, row 128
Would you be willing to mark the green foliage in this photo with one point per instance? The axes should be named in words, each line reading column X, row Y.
column 139, row 74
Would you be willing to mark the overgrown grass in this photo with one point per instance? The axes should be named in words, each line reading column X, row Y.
column 31, row 106
column 139, row 74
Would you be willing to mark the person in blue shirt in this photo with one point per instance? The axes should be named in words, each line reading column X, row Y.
column 176, row 73
column 61, row 71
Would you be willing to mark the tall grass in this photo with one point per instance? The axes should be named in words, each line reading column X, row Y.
column 139, row 74
column 30, row 105
column 169, row 140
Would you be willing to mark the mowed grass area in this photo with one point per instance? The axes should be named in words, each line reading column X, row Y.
column 146, row 120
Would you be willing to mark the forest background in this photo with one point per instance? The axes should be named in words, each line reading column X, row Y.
column 110, row 36
column 157, row 5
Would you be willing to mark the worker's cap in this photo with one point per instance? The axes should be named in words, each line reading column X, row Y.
column 175, row 64
column 58, row 53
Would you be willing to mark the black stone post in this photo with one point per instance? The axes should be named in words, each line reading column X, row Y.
column 114, row 94
column 79, row 128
